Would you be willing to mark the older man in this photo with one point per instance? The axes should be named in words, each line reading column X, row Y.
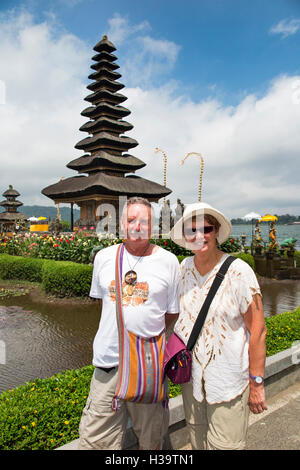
column 150, row 304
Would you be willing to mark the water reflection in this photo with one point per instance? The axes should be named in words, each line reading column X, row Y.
column 42, row 339
column 279, row 296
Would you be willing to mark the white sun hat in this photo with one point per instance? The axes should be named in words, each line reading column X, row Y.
column 200, row 209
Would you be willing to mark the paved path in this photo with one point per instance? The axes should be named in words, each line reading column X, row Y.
column 278, row 428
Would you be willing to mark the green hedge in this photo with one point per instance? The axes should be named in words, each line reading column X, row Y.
column 61, row 278
column 282, row 330
column 64, row 278
column 16, row 267
column 44, row 414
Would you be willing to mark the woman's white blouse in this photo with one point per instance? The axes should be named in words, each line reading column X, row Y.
column 220, row 355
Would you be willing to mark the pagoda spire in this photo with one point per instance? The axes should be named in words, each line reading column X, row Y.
column 106, row 126
column 106, row 163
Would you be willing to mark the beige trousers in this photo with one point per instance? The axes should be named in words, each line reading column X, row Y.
column 101, row 428
column 221, row 426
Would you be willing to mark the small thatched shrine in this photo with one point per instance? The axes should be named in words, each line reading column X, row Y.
column 11, row 217
column 106, row 164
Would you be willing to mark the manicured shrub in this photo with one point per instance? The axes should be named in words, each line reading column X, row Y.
column 232, row 245
column 247, row 258
column 44, row 414
column 16, row 267
column 282, row 330
column 64, row 278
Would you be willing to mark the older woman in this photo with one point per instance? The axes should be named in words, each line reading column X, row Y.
column 228, row 359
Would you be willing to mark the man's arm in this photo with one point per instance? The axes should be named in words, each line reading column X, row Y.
column 255, row 323
column 170, row 318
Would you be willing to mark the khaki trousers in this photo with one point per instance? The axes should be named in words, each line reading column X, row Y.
column 220, row 426
column 101, row 428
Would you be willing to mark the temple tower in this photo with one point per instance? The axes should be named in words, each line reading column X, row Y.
column 11, row 216
column 104, row 169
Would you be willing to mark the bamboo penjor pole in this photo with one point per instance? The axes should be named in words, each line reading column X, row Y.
column 201, row 171
column 156, row 150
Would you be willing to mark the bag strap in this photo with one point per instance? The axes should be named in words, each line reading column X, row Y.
column 205, row 307
column 118, row 280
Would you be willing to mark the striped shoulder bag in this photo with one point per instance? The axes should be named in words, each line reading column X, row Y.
column 140, row 377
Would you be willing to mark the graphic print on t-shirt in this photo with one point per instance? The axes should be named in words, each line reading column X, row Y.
column 133, row 295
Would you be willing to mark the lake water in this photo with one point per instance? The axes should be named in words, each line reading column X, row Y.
column 283, row 232
column 41, row 339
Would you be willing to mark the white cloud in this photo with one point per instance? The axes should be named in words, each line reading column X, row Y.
column 251, row 151
column 120, row 29
column 152, row 60
column 144, row 58
column 286, row 27
column 42, row 70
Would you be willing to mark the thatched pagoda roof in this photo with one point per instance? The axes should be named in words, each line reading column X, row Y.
column 10, row 192
column 103, row 160
column 106, row 109
column 104, row 140
column 104, row 45
column 106, row 124
column 104, row 184
column 12, row 204
column 12, row 216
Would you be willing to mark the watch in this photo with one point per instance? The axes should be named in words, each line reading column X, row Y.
column 258, row 379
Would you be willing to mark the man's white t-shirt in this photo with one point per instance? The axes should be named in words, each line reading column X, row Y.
column 154, row 294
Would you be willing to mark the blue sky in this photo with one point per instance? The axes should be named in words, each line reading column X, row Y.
column 223, row 43
column 219, row 77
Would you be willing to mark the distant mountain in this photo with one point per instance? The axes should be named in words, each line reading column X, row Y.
column 47, row 211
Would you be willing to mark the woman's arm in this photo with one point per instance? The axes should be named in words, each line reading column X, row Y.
column 255, row 323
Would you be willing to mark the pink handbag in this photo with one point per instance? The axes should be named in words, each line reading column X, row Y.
column 177, row 361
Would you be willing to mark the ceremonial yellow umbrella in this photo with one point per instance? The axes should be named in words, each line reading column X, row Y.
column 272, row 236
column 269, row 218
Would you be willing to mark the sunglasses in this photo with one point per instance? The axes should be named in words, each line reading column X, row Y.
column 191, row 232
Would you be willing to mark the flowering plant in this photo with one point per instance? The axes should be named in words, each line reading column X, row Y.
column 78, row 246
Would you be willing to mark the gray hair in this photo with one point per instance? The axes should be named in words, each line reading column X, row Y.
column 138, row 200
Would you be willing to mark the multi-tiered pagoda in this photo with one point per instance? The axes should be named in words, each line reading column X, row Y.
column 11, row 217
column 105, row 161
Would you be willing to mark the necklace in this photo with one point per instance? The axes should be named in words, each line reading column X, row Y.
column 130, row 277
